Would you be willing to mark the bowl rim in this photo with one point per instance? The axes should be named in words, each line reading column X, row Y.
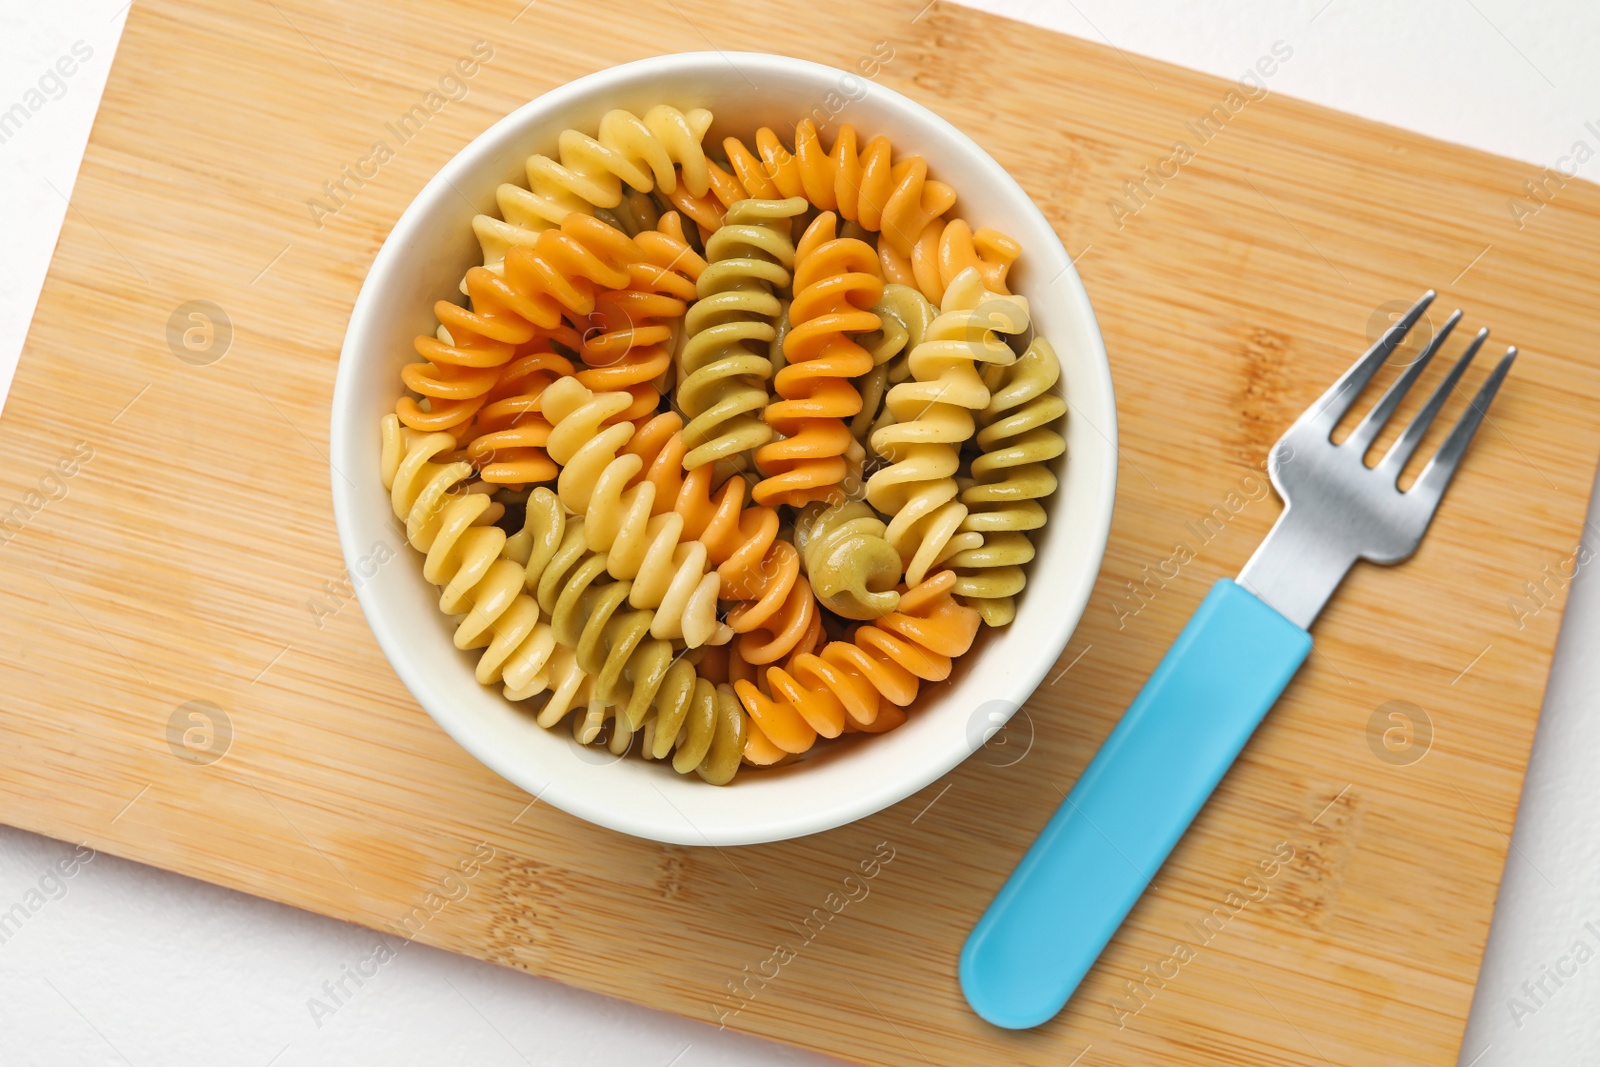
column 472, row 735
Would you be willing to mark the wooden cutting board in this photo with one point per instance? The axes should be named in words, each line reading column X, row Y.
column 185, row 550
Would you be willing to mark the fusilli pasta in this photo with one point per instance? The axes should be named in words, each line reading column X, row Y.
column 510, row 432
column 659, row 572
column 836, row 284
column 945, row 250
column 677, row 428
column 1010, row 477
column 559, row 272
column 905, row 315
column 774, row 609
column 607, row 666
column 627, row 339
column 852, row 567
column 725, row 367
column 647, row 153
column 862, row 683
column 452, row 524
column 933, row 416
column 863, row 186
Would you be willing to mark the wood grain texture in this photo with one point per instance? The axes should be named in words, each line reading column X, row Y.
column 180, row 562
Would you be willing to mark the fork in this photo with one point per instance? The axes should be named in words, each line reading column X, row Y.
column 1089, row 865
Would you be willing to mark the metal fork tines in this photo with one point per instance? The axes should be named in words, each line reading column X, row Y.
column 1337, row 509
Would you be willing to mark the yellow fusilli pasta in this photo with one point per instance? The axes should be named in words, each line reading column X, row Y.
column 452, row 524
column 657, row 573
column 608, row 668
column 932, row 418
column 645, row 153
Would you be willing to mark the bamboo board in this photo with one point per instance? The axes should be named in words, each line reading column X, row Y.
column 183, row 557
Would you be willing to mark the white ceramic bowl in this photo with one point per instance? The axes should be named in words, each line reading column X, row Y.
column 422, row 261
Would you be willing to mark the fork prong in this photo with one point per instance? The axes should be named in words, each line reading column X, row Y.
column 1330, row 407
column 1442, row 467
column 1372, row 425
column 1394, row 460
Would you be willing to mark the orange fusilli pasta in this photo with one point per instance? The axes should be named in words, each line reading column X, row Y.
column 836, row 284
column 862, row 683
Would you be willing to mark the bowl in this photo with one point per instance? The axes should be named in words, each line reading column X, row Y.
column 423, row 260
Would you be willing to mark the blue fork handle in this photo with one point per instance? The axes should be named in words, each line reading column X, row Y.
column 1104, row 844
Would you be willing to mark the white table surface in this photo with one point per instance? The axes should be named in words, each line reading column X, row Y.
column 131, row 963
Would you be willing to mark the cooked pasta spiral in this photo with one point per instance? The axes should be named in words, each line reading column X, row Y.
column 534, row 548
column 453, row 527
column 933, row 416
column 868, row 190
column 627, row 339
column 896, row 199
column 905, row 315
column 725, row 370
column 862, row 683
column 852, row 568
column 522, row 306
column 865, row 187
column 673, row 264
column 660, row 448
column 836, row 284
column 659, row 151
column 775, row 610
column 607, row 665
column 1010, row 477
column 664, row 574
column 699, row 724
column 507, row 440
column 615, row 649
column 584, row 437
column 594, row 644
column 1017, row 439
column 943, row 251
column 752, row 178
column 626, row 345
column 559, row 570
